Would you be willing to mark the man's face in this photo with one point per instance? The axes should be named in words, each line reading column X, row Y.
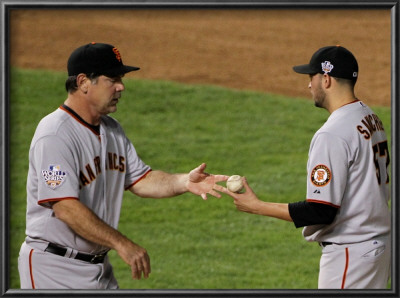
column 104, row 94
column 317, row 92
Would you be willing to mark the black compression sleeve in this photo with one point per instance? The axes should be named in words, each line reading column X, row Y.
column 309, row 213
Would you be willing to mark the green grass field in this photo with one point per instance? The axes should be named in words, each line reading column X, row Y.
column 194, row 244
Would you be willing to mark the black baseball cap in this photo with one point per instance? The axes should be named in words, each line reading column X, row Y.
column 97, row 58
column 335, row 61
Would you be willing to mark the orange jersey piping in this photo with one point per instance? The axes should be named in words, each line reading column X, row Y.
column 41, row 202
column 79, row 120
column 144, row 175
column 322, row 202
column 345, row 268
column 31, row 269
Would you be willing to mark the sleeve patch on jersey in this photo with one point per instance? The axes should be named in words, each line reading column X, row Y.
column 54, row 176
column 321, row 175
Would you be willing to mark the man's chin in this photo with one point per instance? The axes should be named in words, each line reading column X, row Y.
column 318, row 104
column 111, row 109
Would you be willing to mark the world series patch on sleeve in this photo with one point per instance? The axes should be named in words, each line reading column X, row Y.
column 54, row 176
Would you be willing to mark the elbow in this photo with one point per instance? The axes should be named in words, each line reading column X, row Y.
column 58, row 211
column 63, row 209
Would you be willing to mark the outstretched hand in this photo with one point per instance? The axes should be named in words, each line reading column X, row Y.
column 201, row 183
column 246, row 201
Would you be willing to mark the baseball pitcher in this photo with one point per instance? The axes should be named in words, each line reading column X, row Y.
column 346, row 209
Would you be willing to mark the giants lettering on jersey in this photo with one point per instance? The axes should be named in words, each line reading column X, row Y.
column 114, row 163
column 370, row 124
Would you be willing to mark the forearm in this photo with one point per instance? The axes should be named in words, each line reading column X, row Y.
column 88, row 225
column 159, row 184
column 277, row 210
column 250, row 203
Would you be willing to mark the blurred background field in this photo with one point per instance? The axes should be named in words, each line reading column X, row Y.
column 244, row 48
column 194, row 244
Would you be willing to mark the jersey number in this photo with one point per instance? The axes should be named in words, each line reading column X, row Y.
column 381, row 150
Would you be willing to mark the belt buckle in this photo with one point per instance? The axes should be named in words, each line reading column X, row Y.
column 96, row 258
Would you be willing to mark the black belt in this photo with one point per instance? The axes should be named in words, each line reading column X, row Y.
column 326, row 243
column 57, row 250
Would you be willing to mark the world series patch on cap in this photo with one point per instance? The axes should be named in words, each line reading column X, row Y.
column 335, row 61
column 99, row 59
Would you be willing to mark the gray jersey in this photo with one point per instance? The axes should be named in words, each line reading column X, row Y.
column 347, row 169
column 70, row 160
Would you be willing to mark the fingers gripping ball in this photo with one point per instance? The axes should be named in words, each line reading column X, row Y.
column 235, row 183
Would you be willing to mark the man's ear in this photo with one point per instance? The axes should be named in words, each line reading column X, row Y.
column 82, row 81
column 326, row 81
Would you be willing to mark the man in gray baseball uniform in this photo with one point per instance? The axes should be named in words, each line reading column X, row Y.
column 80, row 163
column 346, row 209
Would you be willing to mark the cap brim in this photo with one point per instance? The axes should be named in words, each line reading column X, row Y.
column 129, row 68
column 119, row 71
column 304, row 69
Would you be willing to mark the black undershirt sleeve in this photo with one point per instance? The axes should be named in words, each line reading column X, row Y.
column 309, row 213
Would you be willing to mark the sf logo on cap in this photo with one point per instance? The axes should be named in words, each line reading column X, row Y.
column 117, row 54
column 326, row 67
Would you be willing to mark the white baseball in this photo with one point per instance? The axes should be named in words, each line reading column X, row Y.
column 234, row 183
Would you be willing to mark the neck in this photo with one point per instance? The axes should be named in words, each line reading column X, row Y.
column 338, row 98
column 83, row 110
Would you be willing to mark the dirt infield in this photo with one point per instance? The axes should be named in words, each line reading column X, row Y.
column 242, row 48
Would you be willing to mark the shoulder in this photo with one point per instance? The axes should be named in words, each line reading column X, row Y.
column 111, row 123
column 350, row 113
column 343, row 122
column 54, row 127
column 52, row 123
